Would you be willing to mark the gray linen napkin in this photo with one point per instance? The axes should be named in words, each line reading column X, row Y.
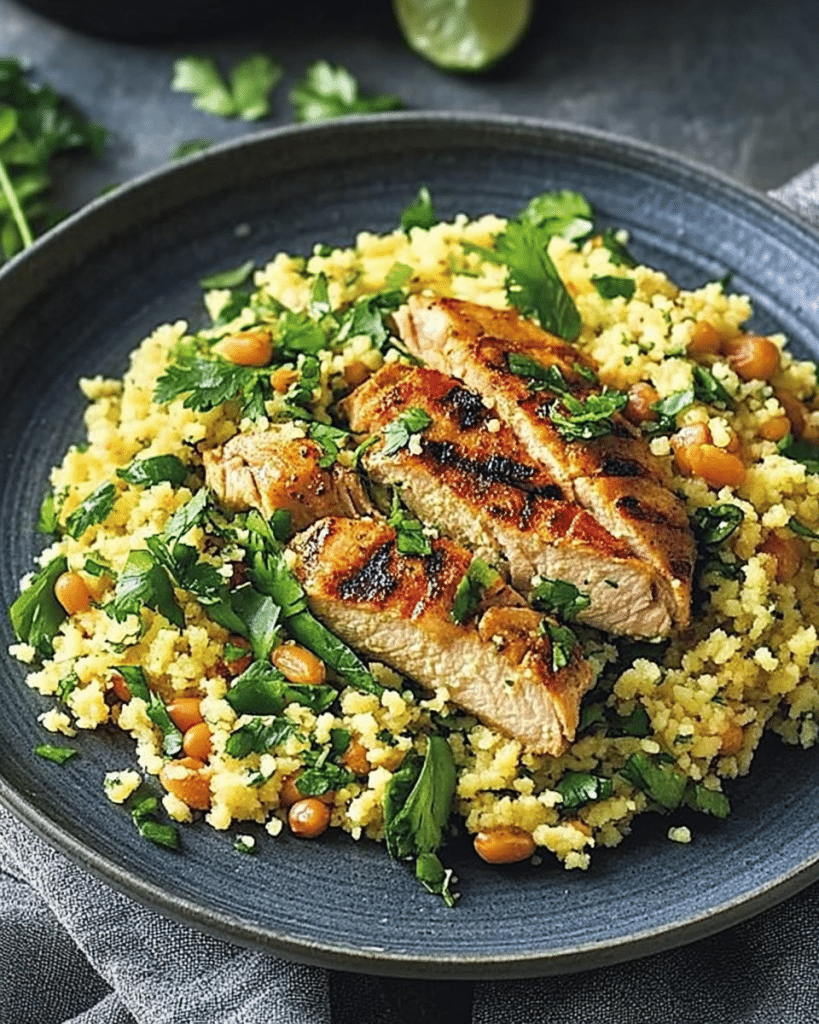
column 73, row 951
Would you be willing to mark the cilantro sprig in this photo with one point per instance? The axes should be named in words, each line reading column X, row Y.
column 399, row 432
column 329, row 90
column 245, row 93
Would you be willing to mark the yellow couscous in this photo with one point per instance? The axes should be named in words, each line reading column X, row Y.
column 148, row 566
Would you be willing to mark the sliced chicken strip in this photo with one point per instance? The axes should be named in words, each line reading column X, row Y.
column 469, row 476
column 394, row 608
column 615, row 477
column 273, row 470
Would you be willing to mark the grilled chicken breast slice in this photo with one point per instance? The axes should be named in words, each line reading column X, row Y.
column 397, row 609
column 615, row 477
column 469, row 476
column 273, row 470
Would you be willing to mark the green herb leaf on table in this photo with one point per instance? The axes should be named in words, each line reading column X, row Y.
column 246, row 93
column 144, row 808
column 328, row 90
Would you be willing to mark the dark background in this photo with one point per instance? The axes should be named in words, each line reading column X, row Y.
column 731, row 84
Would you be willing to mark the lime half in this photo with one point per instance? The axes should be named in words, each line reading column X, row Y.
column 463, row 35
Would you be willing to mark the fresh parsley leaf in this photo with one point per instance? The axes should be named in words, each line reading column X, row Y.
column 263, row 690
column 206, row 382
column 36, row 614
column 323, row 777
column 92, row 510
column 331, row 439
column 191, row 514
column 564, row 213
column 59, row 755
column 435, row 878
column 533, row 284
column 609, row 287
column 299, row 333
column 579, row 788
column 714, row 524
column 398, row 275
column 155, row 470
column 560, row 597
column 801, row 530
column 709, row 390
column 667, row 410
column 144, row 807
column 707, row 801
column 259, row 613
column 548, row 378
column 245, row 94
column 328, row 90
column 48, row 516
column 399, row 432
column 156, row 710
column 469, row 593
column 657, row 779
column 418, row 801
column 420, row 213
column 582, row 420
column 229, row 279
column 366, row 317
column 800, row 451
column 409, row 531
column 618, row 253
column 563, row 643
column 144, row 582
column 258, row 736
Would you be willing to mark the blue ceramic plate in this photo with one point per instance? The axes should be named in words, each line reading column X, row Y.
column 82, row 298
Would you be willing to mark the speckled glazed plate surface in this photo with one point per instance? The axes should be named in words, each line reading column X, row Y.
column 83, row 297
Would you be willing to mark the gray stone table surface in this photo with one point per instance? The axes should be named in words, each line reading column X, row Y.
column 733, row 84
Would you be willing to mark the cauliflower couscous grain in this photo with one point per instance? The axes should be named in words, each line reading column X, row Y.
column 157, row 610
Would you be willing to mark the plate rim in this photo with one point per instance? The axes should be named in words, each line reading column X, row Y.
column 557, row 135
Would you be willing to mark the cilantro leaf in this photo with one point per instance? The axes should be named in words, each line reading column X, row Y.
column 59, row 755
column 560, row 597
column 709, row 390
column 328, row 90
column 418, row 801
column 263, row 690
column 143, row 581
column 246, row 93
column 229, row 278
column 92, row 510
column 577, row 420
column 618, row 253
column 366, row 317
column 399, row 432
column 156, row 710
column 564, row 213
column 331, row 440
column 714, row 524
column 800, row 451
column 579, row 788
column 258, row 736
column 155, row 470
column 36, row 614
column 144, row 807
column 657, row 779
column 420, row 213
column 469, row 592
column 609, row 287
column 409, row 531
column 563, row 642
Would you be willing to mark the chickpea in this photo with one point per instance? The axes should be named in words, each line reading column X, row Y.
column 641, row 397
column 298, row 665
column 121, row 690
column 247, row 348
column 685, row 440
column 752, row 357
column 705, row 340
column 281, row 380
column 787, row 554
column 355, row 758
column 192, row 787
column 308, row 817
column 72, row 593
column 504, row 844
column 731, row 741
column 775, row 428
column 717, row 467
column 794, row 409
column 185, row 712
column 197, row 741
column 356, row 373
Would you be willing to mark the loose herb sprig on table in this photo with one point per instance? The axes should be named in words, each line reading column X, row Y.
column 36, row 124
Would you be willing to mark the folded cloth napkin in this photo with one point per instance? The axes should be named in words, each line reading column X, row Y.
column 74, row 951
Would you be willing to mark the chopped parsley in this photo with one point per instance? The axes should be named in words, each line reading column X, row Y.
column 420, row 213
column 155, row 470
column 156, row 710
column 800, row 451
column 583, row 420
column 470, row 591
column 609, row 287
column 618, row 253
column 560, row 597
column 409, row 531
column 208, row 383
column 563, row 213
column 92, row 510
column 329, row 90
column 258, row 736
column 263, row 690
column 579, row 788
column 400, row 431
column 331, row 439
column 36, row 614
column 144, row 808
column 59, row 755
column 563, row 642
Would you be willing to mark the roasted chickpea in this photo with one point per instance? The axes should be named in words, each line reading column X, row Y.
column 775, row 428
column 787, row 553
column 504, row 844
column 355, row 758
column 705, row 340
column 71, row 591
column 795, row 411
column 298, row 665
column 185, row 712
column 121, row 689
column 247, row 348
column 641, row 397
column 283, row 378
column 190, row 785
column 308, row 817
column 752, row 357
column 685, row 441
column 717, row 467
column 197, row 741
column 731, row 741
column 238, row 655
